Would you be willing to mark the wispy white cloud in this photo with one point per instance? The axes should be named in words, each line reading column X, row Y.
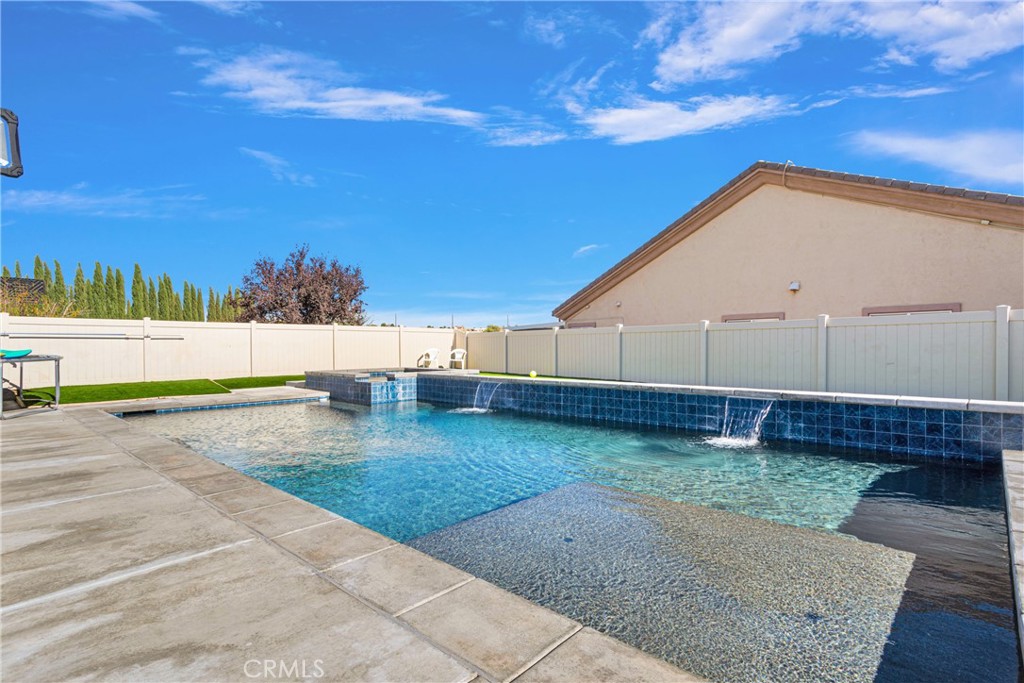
column 509, row 136
column 125, row 203
column 279, row 167
column 287, row 83
column 121, row 10
column 878, row 91
column 980, row 156
column 719, row 41
column 643, row 120
column 513, row 128
column 587, row 249
column 544, row 30
column 231, row 8
column 573, row 91
column 953, row 35
column 554, row 28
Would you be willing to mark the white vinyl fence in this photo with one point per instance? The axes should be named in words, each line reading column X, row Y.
column 978, row 354
column 104, row 351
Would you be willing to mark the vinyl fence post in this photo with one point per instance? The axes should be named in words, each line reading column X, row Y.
column 401, row 333
column 702, row 353
column 504, row 367
column 1002, row 359
column 145, row 348
column 334, row 346
column 252, row 348
column 554, row 351
column 821, row 362
column 618, row 350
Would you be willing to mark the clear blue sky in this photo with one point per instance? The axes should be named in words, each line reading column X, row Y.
column 480, row 160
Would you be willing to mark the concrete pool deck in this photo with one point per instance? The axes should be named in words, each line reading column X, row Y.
column 127, row 556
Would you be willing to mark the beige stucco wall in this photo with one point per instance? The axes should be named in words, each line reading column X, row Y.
column 846, row 255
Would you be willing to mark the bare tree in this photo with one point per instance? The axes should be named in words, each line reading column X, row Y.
column 304, row 289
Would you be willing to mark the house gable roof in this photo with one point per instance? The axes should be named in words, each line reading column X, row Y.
column 997, row 208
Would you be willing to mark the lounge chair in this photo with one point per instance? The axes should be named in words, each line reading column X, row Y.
column 458, row 356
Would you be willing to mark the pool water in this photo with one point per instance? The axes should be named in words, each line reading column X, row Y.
column 416, row 472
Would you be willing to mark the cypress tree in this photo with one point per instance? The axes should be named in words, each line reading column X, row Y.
column 190, row 302
column 81, row 291
column 6, row 273
column 138, row 308
column 178, row 307
column 229, row 307
column 163, row 302
column 47, row 278
column 186, row 300
column 37, row 268
column 97, row 293
column 197, row 299
column 60, row 289
column 152, row 307
column 17, row 269
column 110, row 294
column 211, row 307
column 122, row 303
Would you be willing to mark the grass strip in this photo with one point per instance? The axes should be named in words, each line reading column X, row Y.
column 256, row 382
column 89, row 393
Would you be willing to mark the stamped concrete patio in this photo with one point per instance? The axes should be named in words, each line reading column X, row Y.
column 127, row 556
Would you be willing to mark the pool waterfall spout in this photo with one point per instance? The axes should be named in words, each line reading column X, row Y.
column 482, row 399
column 741, row 425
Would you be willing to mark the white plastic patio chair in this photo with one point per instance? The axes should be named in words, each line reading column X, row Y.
column 458, row 356
column 428, row 359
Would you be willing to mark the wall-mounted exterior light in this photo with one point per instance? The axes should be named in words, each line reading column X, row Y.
column 794, row 286
column 10, row 148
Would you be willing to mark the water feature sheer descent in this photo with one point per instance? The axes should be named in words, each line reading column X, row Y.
column 482, row 398
column 741, row 426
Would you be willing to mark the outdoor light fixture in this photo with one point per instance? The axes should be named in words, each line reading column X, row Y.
column 10, row 149
column 794, row 286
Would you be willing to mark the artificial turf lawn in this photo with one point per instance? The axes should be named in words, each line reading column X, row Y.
column 88, row 393
column 254, row 382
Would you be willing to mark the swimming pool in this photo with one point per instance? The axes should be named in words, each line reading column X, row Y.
column 497, row 495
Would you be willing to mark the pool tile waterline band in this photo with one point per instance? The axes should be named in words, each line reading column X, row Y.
column 902, row 430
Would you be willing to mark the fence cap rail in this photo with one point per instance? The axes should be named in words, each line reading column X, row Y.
column 65, row 335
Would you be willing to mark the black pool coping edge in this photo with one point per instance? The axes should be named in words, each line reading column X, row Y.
column 893, row 400
column 1013, row 490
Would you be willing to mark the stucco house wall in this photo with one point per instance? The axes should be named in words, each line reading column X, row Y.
column 846, row 254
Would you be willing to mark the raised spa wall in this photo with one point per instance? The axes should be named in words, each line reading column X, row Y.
column 365, row 387
column 948, row 428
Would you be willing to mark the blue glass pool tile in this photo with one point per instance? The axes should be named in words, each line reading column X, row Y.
column 952, row 430
column 1013, row 439
column 1013, row 421
column 991, row 434
column 992, row 420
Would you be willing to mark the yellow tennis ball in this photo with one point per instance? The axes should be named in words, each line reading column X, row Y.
column 533, row 373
